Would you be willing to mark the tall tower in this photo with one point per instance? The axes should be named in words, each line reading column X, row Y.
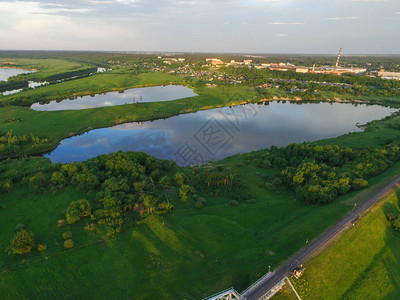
column 338, row 58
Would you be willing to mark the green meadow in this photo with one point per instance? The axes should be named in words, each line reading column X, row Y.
column 44, row 67
column 362, row 264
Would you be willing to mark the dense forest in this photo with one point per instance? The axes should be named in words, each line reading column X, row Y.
column 14, row 83
column 12, row 145
column 69, row 74
column 318, row 174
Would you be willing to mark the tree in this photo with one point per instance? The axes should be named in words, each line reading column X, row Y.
column 68, row 244
column 165, row 180
column 277, row 181
column 359, row 183
column 42, row 247
column 67, row 235
column 396, row 224
column 57, row 178
column 76, row 210
column 179, row 179
column 22, row 243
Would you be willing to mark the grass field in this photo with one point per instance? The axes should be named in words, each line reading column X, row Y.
column 184, row 255
column 187, row 254
column 363, row 264
column 44, row 67
column 95, row 84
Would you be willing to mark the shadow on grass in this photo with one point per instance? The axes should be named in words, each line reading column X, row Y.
column 381, row 278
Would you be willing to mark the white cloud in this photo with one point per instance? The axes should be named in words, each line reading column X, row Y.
column 342, row 18
column 128, row 2
column 186, row 25
column 99, row 2
column 32, row 25
column 286, row 23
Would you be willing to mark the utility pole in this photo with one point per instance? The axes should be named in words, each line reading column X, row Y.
column 6, row 115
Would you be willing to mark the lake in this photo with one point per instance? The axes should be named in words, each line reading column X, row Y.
column 137, row 95
column 5, row 73
column 217, row 133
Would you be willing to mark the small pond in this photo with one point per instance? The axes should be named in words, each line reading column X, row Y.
column 217, row 133
column 137, row 95
column 6, row 73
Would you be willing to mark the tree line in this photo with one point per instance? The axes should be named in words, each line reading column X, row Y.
column 14, row 83
column 13, row 145
column 319, row 174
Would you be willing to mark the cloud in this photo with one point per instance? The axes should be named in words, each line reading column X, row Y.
column 186, row 25
column 99, row 2
column 34, row 25
column 128, row 2
column 341, row 18
column 286, row 23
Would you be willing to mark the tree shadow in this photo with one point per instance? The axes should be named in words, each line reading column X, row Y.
column 381, row 277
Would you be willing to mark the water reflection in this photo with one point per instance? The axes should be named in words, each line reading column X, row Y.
column 148, row 94
column 218, row 133
column 5, row 73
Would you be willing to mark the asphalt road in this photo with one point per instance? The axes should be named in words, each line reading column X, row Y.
column 320, row 242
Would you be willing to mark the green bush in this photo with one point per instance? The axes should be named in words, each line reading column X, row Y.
column 359, row 183
column 67, row 235
column 22, row 243
column 269, row 186
column 76, row 210
column 90, row 227
column 42, row 247
column 251, row 201
column 19, row 227
column 396, row 224
column 198, row 204
column 233, row 202
column 265, row 164
column 68, row 244
column 6, row 186
column 391, row 216
column 165, row 180
column 179, row 179
column 277, row 181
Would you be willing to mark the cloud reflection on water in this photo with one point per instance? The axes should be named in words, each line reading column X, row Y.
column 274, row 124
column 148, row 94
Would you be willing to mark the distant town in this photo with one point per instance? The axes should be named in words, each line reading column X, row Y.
column 286, row 66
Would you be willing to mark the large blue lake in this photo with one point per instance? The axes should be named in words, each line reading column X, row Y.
column 217, row 133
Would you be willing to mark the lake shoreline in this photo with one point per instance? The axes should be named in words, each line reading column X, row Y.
column 183, row 112
column 18, row 68
column 168, row 135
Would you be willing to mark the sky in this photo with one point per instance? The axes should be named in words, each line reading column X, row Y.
column 229, row 26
